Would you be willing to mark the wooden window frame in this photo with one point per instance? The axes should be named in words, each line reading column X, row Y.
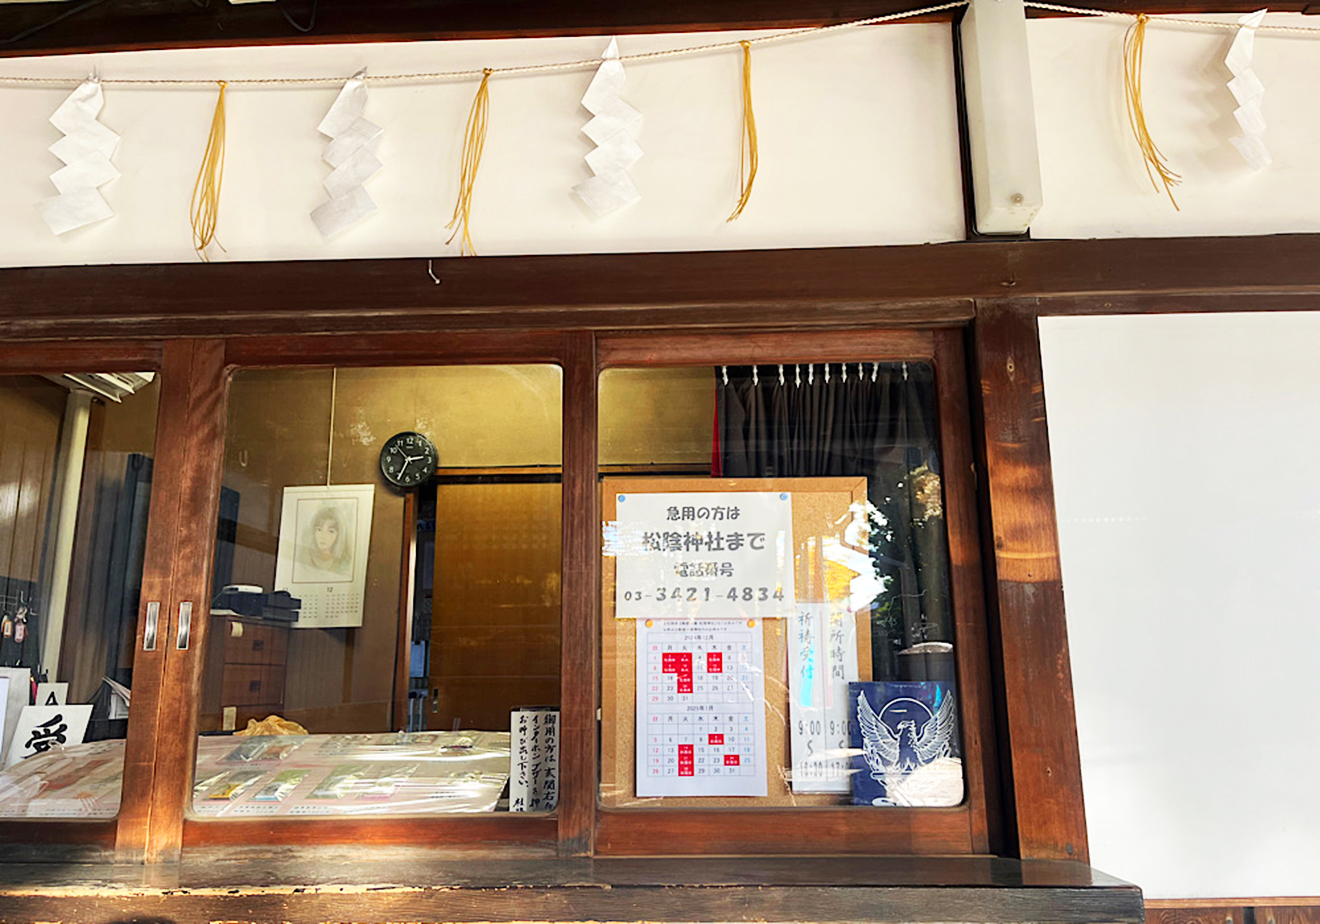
column 148, row 666
column 988, row 294
column 969, row 828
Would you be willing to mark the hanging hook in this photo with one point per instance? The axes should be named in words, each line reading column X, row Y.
column 811, row 373
column 843, row 367
column 875, row 371
column 905, row 372
column 756, row 379
column 797, row 374
column 724, row 373
column 827, row 372
column 781, row 375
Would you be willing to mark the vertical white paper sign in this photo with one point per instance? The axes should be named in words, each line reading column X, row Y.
column 534, row 760
column 704, row 555
column 822, row 658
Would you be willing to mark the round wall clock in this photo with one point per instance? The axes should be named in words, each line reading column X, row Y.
column 407, row 459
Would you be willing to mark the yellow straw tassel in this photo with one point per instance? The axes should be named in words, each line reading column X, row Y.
column 474, row 140
column 205, row 211
column 1134, row 49
column 747, row 159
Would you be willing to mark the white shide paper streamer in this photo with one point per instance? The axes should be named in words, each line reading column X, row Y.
column 351, row 152
column 613, row 128
column 86, row 149
column 1248, row 91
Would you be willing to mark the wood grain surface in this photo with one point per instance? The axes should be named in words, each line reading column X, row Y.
column 1028, row 627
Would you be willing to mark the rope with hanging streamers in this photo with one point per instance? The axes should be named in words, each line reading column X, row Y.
column 474, row 140
column 204, row 211
column 1134, row 50
column 747, row 158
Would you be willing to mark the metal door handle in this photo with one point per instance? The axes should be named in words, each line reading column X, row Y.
column 149, row 630
column 185, row 625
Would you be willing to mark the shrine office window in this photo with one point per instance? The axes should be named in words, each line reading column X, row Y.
column 76, row 464
column 386, row 615
column 779, row 622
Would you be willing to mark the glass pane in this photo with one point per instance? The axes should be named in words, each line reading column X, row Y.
column 776, row 625
column 75, row 490
column 387, row 587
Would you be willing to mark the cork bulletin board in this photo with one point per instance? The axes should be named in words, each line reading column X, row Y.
column 820, row 511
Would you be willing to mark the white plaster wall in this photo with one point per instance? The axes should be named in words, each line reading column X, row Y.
column 1185, row 451
column 1092, row 177
column 858, row 146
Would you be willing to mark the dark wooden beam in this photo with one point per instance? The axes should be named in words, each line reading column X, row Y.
column 1043, row 767
column 412, row 888
column 929, row 285
column 123, row 25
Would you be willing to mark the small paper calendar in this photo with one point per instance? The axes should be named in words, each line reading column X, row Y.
column 700, row 708
column 325, row 538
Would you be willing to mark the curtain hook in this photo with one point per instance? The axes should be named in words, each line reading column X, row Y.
column 843, row 367
column 797, row 373
column 724, row 371
column 781, row 375
column 905, row 372
column 756, row 379
column 875, row 371
column 811, row 373
column 827, row 372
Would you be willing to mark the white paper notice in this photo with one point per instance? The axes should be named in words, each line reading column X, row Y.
column 534, row 760
column 706, row 555
column 822, row 658
column 700, row 708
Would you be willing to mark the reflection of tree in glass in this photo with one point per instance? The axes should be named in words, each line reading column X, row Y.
column 326, row 543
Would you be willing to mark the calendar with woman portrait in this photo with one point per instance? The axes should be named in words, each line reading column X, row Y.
column 325, row 534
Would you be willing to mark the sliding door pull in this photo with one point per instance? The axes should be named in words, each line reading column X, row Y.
column 185, row 626
column 149, row 630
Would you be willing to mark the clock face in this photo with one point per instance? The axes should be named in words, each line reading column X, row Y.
column 408, row 459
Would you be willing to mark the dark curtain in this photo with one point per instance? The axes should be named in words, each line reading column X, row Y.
column 875, row 420
column 106, row 578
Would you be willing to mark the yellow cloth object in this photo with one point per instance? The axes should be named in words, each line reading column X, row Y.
column 271, row 725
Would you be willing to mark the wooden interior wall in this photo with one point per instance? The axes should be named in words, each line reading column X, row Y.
column 495, row 623
column 31, row 413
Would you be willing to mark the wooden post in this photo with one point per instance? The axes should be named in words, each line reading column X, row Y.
column 579, row 651
column 1038, row 723
column 199, row 498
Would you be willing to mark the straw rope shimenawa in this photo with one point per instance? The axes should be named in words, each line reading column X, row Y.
column 747, row 159
column 474, row 141
column 205, row 210
column 1134, row 49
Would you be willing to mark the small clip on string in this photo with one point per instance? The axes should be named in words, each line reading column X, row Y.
column 724, row 374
